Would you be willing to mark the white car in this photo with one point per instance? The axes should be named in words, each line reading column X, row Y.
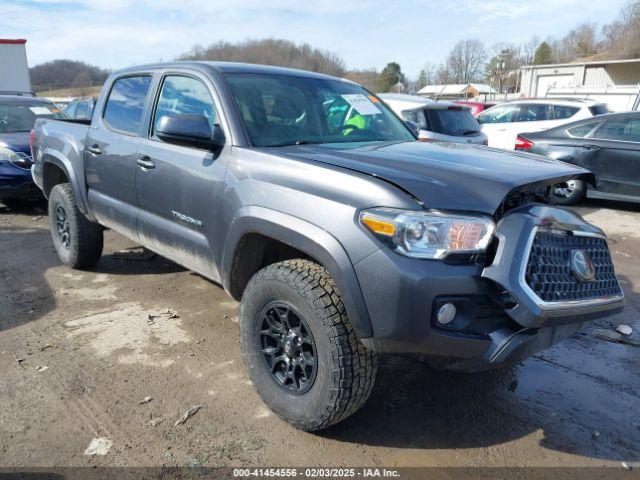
column 504, row 122
column 436, row 121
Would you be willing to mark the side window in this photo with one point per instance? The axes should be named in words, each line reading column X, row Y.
column 501, row 114
column 184, row 95
column 581, row 131
column 415, row 116
column 563, row 111
column 125, row 104
column 534, row 112
column 625, row 129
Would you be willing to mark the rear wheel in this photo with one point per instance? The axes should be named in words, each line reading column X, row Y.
column 569, row 192
column 77, row 240
column 300, row 350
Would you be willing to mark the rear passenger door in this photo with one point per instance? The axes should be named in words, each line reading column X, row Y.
column 617, row 165
column 111, row 151
column 180, row 190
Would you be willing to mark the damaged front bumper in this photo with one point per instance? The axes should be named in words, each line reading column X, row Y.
column 524, row 301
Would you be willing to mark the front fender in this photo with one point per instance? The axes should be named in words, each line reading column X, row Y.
column 308, row 238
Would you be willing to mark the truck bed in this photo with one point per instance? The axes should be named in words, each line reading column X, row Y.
column 64, row 140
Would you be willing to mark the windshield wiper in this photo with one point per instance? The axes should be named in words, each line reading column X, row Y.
column 469, row 132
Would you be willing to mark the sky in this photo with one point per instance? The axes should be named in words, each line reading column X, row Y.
column 365, row 33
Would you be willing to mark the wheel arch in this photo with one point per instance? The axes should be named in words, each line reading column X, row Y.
column 259, row 236
column 57, row 169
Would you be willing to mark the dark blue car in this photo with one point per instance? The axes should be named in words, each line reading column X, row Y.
column 17, row 116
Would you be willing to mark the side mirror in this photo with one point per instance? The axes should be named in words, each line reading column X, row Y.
column 191, row 130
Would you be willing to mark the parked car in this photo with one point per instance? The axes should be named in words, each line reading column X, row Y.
column 436, row 121
column 80, row 108
column 504, row 122
column 476, row 107
column 343, row 237
column 18, row 115
column 608, row 145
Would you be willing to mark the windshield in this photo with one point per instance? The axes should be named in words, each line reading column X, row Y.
column 280, row 110
column 21, row 117
column 453, row 121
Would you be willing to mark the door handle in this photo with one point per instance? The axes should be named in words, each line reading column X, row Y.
column 95, row 149
column 591, row 147
column 146, row 163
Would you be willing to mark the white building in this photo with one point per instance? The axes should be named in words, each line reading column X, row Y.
column 14, row 70
column 616, row 82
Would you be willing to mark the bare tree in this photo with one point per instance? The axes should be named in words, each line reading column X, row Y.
column 621, row 37
column 580, row 42
column 369, row 79
column 271, row 51
column 427, row 75
column 466, row 61
column 443, row 75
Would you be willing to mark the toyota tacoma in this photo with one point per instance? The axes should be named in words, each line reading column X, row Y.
column 343, row 237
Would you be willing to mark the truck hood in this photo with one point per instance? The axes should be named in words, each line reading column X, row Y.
column 17, row 141
column 446, row 176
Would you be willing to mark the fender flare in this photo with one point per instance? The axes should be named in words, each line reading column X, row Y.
column 56, row 158
column 308, row 238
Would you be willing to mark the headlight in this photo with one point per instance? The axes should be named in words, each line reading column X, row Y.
column 18, row 159
column 429, row 234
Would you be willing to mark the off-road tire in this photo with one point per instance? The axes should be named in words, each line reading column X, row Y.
column 85, row 238
column 346, row 370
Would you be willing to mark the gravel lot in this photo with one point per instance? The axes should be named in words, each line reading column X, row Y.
column 79, row 351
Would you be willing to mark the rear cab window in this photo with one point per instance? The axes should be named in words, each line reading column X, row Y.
column 125, row 105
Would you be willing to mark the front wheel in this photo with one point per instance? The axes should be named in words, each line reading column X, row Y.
column 300, row 350
column 77, row 240
column 568, row 193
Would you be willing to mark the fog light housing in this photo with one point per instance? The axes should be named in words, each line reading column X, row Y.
column 446, row 313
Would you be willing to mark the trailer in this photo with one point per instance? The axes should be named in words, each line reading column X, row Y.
column 14, row 69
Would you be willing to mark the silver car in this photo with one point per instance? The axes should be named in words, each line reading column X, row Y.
column 437, row 121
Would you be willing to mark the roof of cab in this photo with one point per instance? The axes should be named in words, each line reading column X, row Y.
column 230, row 67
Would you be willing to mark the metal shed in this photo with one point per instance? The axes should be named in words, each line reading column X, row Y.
column 615, row 81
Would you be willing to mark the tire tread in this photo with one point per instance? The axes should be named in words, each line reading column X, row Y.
column 353, row 366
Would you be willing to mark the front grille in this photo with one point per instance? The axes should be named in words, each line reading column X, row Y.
column 549, row 272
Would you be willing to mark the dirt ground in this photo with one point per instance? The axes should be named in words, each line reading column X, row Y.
column 79, row 351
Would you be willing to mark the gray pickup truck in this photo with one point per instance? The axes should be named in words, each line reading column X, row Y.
column 307, row 199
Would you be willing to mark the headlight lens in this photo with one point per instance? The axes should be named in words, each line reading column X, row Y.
column 429, row 234
column 18, row 159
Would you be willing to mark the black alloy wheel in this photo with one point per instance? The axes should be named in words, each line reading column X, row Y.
column 288, row 347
